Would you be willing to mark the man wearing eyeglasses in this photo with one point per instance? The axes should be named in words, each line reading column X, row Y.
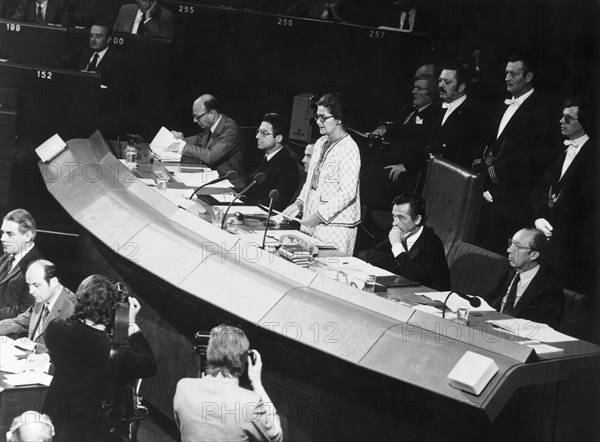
column 515, row 154
column 220, row 145
column 566, row 200
column 530, row 291
column 280, row 170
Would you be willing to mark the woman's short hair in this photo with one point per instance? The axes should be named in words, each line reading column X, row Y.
column 333, row 103
column 227, row 352
column 96, row 300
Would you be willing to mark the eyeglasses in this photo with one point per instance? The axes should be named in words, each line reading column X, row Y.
column 263, row 133
column 568, row 119
column 518, row 246
column 197, row 117
column 322, row 118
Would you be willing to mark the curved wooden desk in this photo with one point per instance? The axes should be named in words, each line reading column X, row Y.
column 320, row 338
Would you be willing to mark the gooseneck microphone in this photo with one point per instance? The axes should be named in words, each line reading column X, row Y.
column 473, row 300
column 258, row 178
column 231, row 175
column 273, row 196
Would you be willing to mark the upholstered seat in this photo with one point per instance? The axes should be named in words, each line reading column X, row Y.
column 576, row 319
column 473, row 270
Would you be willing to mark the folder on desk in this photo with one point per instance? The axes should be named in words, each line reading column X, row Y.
column 395, row 281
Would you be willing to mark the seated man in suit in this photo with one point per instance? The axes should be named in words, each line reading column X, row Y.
column 43, row 12
column 52, row 301
column 203, row 407
column 19, row 250
column 531, row 291
column 412, row 249
column 460, row 126
column 99, row 56
column 280, row 170
column 220, row 145
column 146, row 18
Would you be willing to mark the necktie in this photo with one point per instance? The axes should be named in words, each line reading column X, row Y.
column 140, row 29
column 512, row 102
column 45, row 313
column 93, row 64
column 7, row 266
column 40, row 15
column 509, row 305
column 404, row 244
column 406, row 24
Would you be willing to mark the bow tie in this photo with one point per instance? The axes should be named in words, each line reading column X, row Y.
column 445, row 105
column 570, row 143
column 512, row 102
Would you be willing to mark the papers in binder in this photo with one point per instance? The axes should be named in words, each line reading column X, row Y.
column 163, row 139
column 50, row 148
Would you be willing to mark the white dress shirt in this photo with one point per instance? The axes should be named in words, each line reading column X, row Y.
column 522, row 285
column 511, row 109
column 410, row 241
column 572, row 151
column 451, row 107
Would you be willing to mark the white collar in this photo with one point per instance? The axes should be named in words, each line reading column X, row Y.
column 272, row 154
column 577, row 142
column 455, row 103
column 521, row 99
column 214, row 126
column 52, row 301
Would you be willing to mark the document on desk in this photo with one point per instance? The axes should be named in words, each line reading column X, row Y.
column 28, row 378
column 527, row 329
column 197, row 179
column 163, row 139
column 455, row 302
column 352, row 265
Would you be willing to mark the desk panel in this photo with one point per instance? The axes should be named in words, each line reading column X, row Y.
column 31, row 43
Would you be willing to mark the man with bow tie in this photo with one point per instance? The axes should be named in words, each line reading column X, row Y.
column 515, row 155
column 529, row 290
column 459, row 128
column 19, row 250
column 52, row 301
column 566, row 200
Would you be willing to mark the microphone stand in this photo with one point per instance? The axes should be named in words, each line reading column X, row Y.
column 258, row 178
column 473, row 300
column 232, row 174
column 274, row 196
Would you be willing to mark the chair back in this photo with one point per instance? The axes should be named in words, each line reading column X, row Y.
column 454, row 197
column 576, row 318
column 475, row 271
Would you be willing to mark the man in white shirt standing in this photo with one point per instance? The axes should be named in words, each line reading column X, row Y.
column 145, row 17
column 530, row 291
column 19, row 250
column 514, row 156
column 566, row 200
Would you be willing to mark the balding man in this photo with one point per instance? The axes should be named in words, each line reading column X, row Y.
column 19, row 250
column 52, row 301
column 31, row 426
column 530, row 291
column 220, row 145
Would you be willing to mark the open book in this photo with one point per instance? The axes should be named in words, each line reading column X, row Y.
column 163, row 139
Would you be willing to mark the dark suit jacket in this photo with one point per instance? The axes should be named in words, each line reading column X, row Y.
column 57, row 12
column 542, row 301
column 26, row 324
column 424, row 263
column 160, row 25
column 461, row 135
column 223, row 152
column 520, row 155
column 112, row 67
column 281, row 173
column 574, row 233
column 14, row 293
column 80, row 355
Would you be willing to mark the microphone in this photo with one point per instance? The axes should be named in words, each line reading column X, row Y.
column 273, row 196
column 258, row 178
column 231, row 175
column 473, row 300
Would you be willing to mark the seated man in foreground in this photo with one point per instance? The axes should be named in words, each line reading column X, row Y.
column 530, row 291
column 215, row 407
column 220, row 145
column 52, row 301
column 412, row 249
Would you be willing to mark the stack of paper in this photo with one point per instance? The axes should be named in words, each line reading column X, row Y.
column 163, row 139
column 527, row 329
